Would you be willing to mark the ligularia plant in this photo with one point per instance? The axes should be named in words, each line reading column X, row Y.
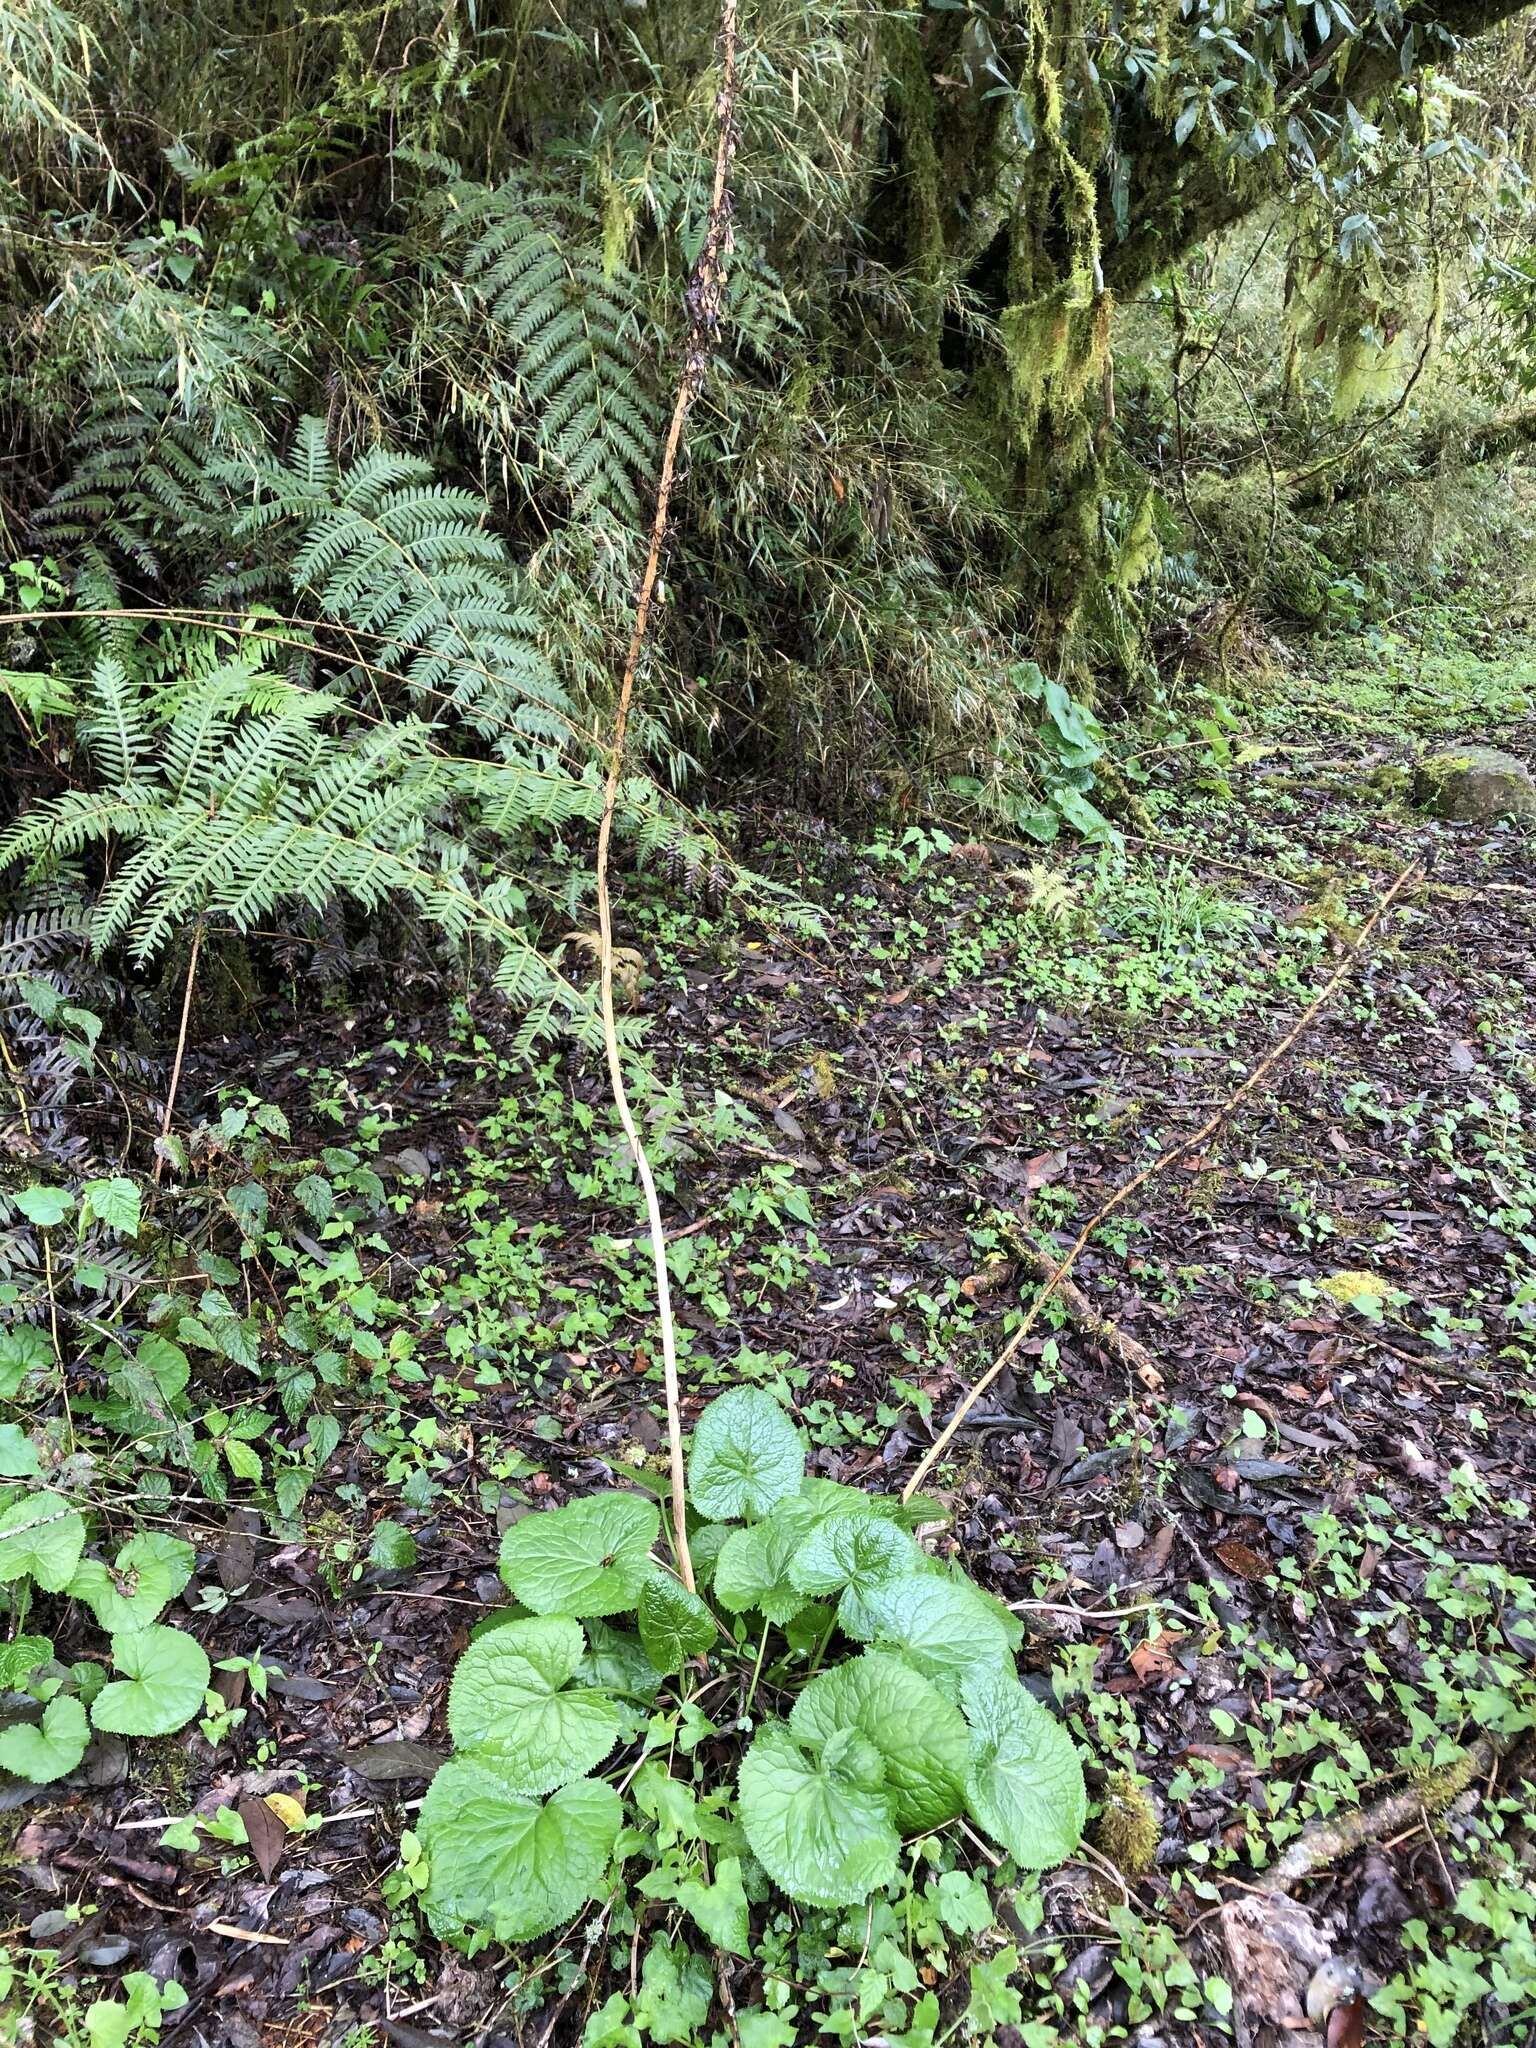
column 862, row 1692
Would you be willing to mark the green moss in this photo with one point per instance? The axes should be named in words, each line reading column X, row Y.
column 1128, row 1830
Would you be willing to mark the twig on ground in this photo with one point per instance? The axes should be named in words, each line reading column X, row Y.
column 705, row 289
column 1327, row 1841
column 181, row 1049
column 1123, row 1347
column 1165, row 1159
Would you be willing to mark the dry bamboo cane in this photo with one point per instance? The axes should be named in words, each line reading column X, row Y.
column 705, row 289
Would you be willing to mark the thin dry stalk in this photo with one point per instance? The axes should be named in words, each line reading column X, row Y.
column 705, row 288
column 1159, row 1165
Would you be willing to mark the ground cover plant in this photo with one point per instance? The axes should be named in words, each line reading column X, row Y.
column 767, row 1226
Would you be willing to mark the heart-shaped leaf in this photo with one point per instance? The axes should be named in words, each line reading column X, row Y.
column 921, row 1736
column 942, row 1628
column 854, row 1555
column 591, row 1557
column 24, row 1348
column 818, row 1820
column 41, row 1538
column 50, row 1749
column 507, row 1707
column 674, row 1623
column 114, row 1202
column 507, row 1864
column 19, row 1659
column 150, row 1571
column 166, row 1676
column 44, row 1206
column 1025, row 1781
column 746, row 1456
column 753, row 1568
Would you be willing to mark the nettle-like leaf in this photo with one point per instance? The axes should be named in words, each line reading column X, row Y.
column 819, row 1820
column 166, row 1676
column 674, row 1623
column 922, row 1738
column 746, row 1456
column 19, row 1659
column 18, row 1454
column 507, row 1705
column 24, row 1349
column 616, row 1662
column 512, row 1865
column 590, row 1557
column 41, row 1538
column 49, row 1749
column 151, row 1569
column 854, row 1555
column 944, row 1629
column 753, row 1568
column 1024, row 1784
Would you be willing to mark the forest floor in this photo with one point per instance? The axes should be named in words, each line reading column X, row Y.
column 1284, row 1581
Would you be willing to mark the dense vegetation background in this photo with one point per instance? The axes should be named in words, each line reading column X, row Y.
column 1107, row 400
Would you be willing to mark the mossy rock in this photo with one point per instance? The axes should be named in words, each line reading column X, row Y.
column 1472, row 785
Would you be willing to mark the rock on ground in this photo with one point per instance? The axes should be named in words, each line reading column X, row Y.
column 1475, row 784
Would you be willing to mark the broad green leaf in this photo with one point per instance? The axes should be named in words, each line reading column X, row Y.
column 18, row 1454
column 50, row 1749
column 1025, row 1782
column 746, row 1456
column 166, row 1675
column 942, row 1628
column 507, row 1706
column 824, row 1497
column 41, row 1538
column 679, row 1814
column 19, row 1659
column 150, row 1571
column 44, row 1206
column 920, row 1735
column 591, row 1557
column 674, row 1623
column 114, row 1202
column 166, row 1364
column 720, row 1908
column 616, row 1663
column 244, row 1459
column 677, row 1988
column 753, row 1570
column 393, row 1548
column 818, row 1820
column 854, row 1555
column 24, row 1348
column 512, row 1866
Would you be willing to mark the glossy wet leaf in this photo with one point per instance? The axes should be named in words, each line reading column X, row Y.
column 818, row 1818
column 920, row 1735
column 508, row 1704
column 590, row 1557
column 674, row 1623
column 1024, row 1785
column 507, row 1864
column 746, row 1456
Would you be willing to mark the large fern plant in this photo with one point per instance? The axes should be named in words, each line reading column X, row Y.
column 226, row 792
column 423, row 592
column 553, row 339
